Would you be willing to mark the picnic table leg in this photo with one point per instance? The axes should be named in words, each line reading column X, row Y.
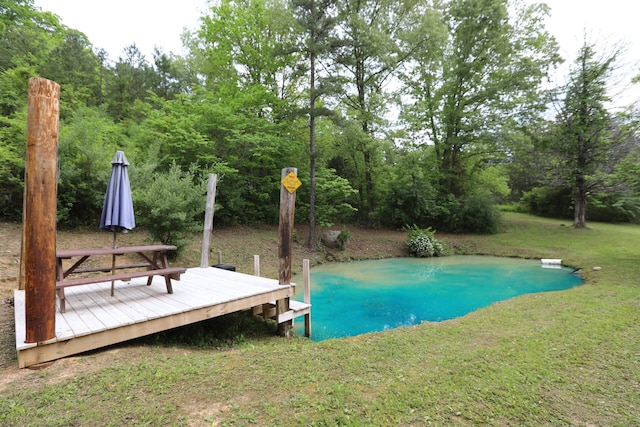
column 164, row 263
column 63, row 307
column 60, row 278
column 167, row 278
column 153, row 265
column 113, row 271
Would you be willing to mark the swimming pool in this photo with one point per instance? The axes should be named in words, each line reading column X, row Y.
column 349, row 299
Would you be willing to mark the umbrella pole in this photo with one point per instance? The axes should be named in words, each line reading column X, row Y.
column 113, row 264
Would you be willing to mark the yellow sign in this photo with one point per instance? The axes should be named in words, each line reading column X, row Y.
column 291, row 182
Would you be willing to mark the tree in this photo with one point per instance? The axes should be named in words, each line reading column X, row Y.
column 172, row 128
column 132, row 77
column 87, row 142
column 369, row 53
column 26, row 38
column 167, row 82
column 27, row 35
column 74, row 66
column 584, row 138
column 246, row 45
column 478, row 75
column 244, row 51
column 317, row 20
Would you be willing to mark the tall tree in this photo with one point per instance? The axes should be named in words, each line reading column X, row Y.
column 317, row 19
column 27, row 35
column 75, row 66
column 243, row 50
column 132, row 77
column 167, row 83
column 370, row 52
column 246, row 45
column 584, row 125
column 479, row 73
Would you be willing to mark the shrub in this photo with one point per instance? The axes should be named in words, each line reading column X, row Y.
column 475, row 214
column 343, row 238
column 548, row 202
column 171, row 206
column 613, row 208
column 334, row 199
column 422, row 243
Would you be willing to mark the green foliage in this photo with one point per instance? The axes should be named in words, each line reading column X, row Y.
column 173, row 128
column 408, row 195
column 254, row 148
column 128, row 83
column 477, row 75
column 474, row 214
column 613, row 208
column 170, row 205
column 492, row 181
column 12, row 164
column 343, row 238
column 87, row 143
column 422, row 242
column 73, row 65
column 14, row 87
column 584, row 141
column 247, row 44
column 241, row 104
column 547, row 201
column 334, row 199
column 627, row 171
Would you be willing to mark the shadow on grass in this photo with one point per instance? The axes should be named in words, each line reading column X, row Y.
column 220, row 332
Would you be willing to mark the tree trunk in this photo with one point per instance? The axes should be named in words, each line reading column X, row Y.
column 312, row 152
column 580, row 202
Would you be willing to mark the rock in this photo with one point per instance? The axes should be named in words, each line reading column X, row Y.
column 329, row 238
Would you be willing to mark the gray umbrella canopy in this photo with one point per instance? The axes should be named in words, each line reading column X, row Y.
column 117, row 211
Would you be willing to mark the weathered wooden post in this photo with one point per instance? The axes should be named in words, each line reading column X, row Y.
column 290, row 183
column 208, row 220
column 39, row 216
column 256, row 265
column 306, row 272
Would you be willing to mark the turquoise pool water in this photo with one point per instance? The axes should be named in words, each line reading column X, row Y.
column 354, row 298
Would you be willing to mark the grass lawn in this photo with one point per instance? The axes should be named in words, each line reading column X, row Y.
column 558, row 358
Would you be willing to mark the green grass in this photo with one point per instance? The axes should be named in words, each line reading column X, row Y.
column 557, row 358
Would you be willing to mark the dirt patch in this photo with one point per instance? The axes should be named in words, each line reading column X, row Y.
column 233, row 245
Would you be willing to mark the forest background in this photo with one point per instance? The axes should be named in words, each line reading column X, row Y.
column 420, row 112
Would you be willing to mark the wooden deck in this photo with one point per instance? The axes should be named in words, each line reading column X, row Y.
column 94, row 319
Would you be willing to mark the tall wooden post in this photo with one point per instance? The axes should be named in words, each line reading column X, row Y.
column 256, row 265
column 39, row 217
column 306, row 273
column 285, row 244
column 208, row 220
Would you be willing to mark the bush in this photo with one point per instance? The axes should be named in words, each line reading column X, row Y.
column 548, row 202
column 343, row 238
column 171, row 206
column 475, row 214
column 422, row 243
column 334, row 199
column 613, row 208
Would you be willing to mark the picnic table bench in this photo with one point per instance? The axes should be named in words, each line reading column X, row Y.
column 154, row 263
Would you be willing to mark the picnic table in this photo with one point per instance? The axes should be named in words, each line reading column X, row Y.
column 154, row 263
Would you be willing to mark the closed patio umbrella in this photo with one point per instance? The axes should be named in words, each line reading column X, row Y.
column 117, row 211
